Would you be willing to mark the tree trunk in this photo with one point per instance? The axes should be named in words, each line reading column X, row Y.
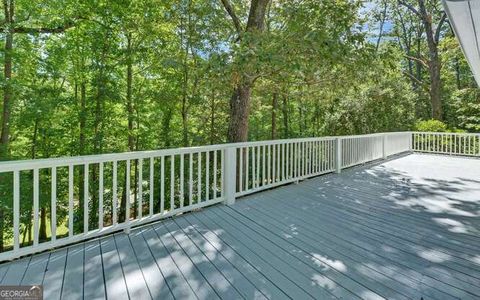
column 42, row 234
column 457, row 74
column 83, row 119
column 434, row 64
column 130, row 109
column 435, row 90
column 82, row 145
column 212, row 118
column 274, row 115
column 240, row 99
column 7, row 86
column 185, row 81
column 382, row 22
column 285, row 116
column 7, row 98
column 184, row 122
column 239, row 112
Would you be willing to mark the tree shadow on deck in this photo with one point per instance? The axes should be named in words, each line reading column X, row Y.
column 402, row 222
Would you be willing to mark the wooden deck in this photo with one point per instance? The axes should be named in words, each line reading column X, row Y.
column 406, row 228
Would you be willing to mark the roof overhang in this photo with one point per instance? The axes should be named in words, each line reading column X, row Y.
column 464, row 16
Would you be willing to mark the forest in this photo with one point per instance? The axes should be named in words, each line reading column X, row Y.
column 101, row 76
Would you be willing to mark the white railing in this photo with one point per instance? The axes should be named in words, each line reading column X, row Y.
column 122, row 190
column 263, row 165
column 467, row 144
column 128, row 189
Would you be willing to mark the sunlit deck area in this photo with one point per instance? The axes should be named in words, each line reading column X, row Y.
column 404, row 228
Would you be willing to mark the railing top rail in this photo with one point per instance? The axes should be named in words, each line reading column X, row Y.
column 444, row 133
column 22, row 165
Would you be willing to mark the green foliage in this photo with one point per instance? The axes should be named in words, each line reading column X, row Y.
column 466, row 105
column 430, row 126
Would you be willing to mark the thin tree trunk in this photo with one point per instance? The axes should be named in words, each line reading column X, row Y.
column 130, row 109
column 82, row 144
column 274, row 115
column 382, row 22
column 42, row 234
column 9, row 7
column 131, row 113
column 83, row 118
column 186, row 42
column 457, row 74
column 33, row 156
column 212, row 118
column 285, row 116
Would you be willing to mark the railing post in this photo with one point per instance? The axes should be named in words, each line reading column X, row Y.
column 338, row 157
column 410, row 141
column 230, row 175
column 384, row 146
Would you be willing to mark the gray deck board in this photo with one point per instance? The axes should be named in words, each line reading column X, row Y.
column 36, row 269
column 386, row 220
column 3, row 270
column 16, row 272
column 403, row 228
column 115, row 284
column 53, row 279
column 381, row 244
column 173, row 276
column 261, row 282
column 301, row 261
column 194, row 277
column 93, row 281
column 74, row 272
column 324, row 265
column 134, row 277
column 154, row 278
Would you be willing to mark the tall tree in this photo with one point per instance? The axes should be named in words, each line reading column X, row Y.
column 429, row 13
column 244, row 80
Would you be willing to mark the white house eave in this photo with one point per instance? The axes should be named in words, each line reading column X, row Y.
column 464, row 16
